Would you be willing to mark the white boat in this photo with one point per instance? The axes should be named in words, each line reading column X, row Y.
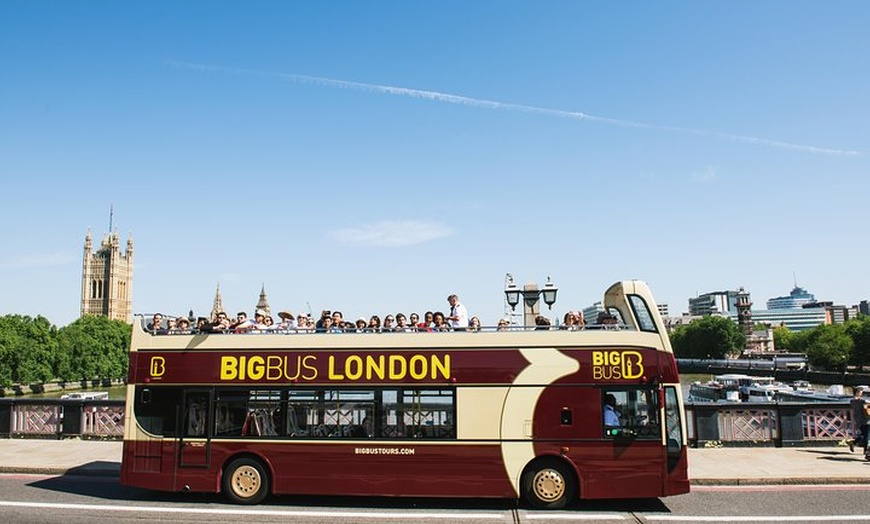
column 767, row 392
column 86, row 395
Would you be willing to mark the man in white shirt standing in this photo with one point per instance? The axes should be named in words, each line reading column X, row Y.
column 458, row 317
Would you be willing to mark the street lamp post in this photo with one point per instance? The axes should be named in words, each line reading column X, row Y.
column 531, row 296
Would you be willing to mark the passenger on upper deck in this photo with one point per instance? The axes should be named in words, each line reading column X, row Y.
column 303, row 324
column 156, row 325
column 388, row 323
column 288, row 322
column 327, row 326
column 361, row 325
column 220, row 324
column 323, row 314
column 572, row 320
column 402, row 323
column 605, row 320
column 241, row 323
column 374, row 324
column 542, row 322
column 439, row 323
column 474, row 324
column 338, row 320
column 503, row 324
column 182, row 326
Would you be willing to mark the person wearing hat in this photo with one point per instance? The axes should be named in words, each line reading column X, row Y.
column 182, row 325
column 361, row 324
column 288, row 321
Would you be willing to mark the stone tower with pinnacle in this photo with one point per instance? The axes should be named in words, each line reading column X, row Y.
column 107, row 277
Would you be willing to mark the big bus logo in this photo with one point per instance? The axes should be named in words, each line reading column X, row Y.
column 614, row 365
column 158, row 366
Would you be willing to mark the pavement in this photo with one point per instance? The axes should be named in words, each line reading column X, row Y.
column 707, row 466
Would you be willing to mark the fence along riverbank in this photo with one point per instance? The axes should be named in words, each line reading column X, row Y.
column 782, row 370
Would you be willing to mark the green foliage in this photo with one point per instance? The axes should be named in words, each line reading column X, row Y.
column 34, row 351
column 708, row 337
column 93, row 347
column 26, row 348
column 828, row 347
column 859, row 331
column 783, row 339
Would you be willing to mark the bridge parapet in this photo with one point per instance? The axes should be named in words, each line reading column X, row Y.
column 56, row 418
column 779, row 424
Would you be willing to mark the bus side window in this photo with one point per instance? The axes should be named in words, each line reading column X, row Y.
column 156, row 409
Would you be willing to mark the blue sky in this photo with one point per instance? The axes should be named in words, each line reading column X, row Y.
column 376, row 157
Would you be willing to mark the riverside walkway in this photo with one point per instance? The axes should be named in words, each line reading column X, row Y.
column 707, row 466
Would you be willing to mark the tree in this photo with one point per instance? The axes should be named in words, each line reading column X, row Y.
column 829, row 347
column 26, row 348
column 783, row 339
column 859, row 331
column 708, row 337
column 93, row 347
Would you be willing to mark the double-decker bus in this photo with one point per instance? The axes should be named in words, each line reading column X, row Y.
column 521, row 413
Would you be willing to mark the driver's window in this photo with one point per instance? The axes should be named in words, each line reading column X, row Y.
column 630, row 411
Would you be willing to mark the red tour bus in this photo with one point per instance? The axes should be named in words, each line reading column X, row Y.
column 519, row 413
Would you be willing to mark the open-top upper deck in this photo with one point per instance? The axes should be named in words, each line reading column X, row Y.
column 639, row 325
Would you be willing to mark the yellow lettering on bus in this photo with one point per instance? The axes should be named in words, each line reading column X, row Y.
column 353, row 367
column 311, row 370
column 374, row 367
column 331, row 371
column 441, row 367
column 398, row 367
column 418, row 367
column 229, row 368
column 256, row 368
column 274, row 369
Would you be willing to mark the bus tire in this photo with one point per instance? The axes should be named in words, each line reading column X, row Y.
column 245, row 481
column 549, row 484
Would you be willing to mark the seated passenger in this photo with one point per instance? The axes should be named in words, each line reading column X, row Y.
column 220, row 324
column 439, row 322
column 182, row 326
column 402, row 323
column 156, row 325
column 287, row 323
column 374, row 324
column 241, row 323
column 542, row 322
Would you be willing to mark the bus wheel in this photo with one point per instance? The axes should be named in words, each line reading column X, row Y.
column 245, row 481
column 548, row 484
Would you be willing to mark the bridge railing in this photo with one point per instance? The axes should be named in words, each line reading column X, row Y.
column 709, row 423
column 56, row 418
column 779, row 424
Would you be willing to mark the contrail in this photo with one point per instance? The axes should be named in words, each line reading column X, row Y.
column 492, row 104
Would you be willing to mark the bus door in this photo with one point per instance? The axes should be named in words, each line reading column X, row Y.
column 194, row 445
column 632, row 431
